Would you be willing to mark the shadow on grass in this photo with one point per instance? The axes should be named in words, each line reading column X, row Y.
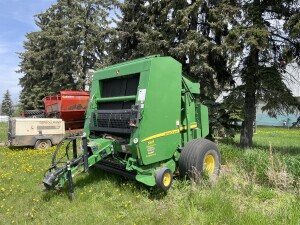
column 21, row 148
column 287, row 150
column 96, row 175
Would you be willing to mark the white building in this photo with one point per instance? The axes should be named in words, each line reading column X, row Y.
column 293, row 83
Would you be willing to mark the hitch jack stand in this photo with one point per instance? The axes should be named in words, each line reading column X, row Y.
column 70, row 179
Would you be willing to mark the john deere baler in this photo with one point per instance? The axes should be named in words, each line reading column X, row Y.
column 144, row 121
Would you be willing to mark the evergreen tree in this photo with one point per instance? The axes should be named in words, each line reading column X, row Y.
column 190, row 31
column 7, row 105
column 71, row 42
column 124, row 38
column 216, row 41
column 263, row 39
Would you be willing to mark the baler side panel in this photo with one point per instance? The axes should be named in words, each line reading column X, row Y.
column 203, row 110
column 158, row 133
column 188, row 118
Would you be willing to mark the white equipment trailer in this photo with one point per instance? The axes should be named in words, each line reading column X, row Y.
column 41, row 133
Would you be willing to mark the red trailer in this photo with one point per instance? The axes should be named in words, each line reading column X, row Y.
column 69, row 106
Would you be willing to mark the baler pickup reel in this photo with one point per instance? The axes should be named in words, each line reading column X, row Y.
column 73, row 159
column 80, row 155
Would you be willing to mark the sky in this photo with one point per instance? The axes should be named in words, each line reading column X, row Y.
column 16, row 19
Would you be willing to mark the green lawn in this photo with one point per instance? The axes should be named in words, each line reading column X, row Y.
column 255, row 187
column 3, row 131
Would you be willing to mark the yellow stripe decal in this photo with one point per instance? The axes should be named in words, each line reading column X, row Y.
column 161, row 134
column 191, row 127
column 166, row 133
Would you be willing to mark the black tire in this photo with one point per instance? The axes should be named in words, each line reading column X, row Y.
column 200, row 157
column 42, row 144
column 164, row 178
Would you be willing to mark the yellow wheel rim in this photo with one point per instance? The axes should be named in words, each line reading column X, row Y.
column 209, row 164
column 167, row 179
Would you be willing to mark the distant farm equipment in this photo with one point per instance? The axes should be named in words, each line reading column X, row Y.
column 41, row 133
column 70, row 106
column 46, row 127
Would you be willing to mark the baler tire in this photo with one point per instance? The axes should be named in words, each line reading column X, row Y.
column 200, row 157
column 164, row 178
column 42, row 144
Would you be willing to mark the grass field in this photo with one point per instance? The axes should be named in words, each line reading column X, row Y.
column 3, row 131
column 256, row 186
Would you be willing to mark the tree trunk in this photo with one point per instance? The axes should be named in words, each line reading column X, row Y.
column 250, row 98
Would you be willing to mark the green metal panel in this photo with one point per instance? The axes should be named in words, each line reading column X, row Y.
column 203, row 112
column 130, row 67
column 194, row 87
column 116, row 99
column 158, row 133
column 190, row 122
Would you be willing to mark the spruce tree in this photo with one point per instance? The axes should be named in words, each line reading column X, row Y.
column 124, row 38
column 216, row 41
column 262, row 40
column 193, row 32
column 70, row 42
column 7, row 105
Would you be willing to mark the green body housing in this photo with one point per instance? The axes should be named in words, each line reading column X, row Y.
column 140, row 115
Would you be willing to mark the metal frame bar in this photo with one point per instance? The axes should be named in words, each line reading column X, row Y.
column 117, row 99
